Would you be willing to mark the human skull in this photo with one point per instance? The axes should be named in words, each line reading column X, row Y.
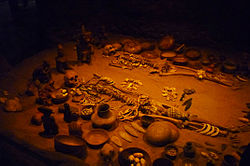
column 71, row 78
column 109, row 50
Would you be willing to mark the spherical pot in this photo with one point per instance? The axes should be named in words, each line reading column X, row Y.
column 166, row 43
column 161, row 133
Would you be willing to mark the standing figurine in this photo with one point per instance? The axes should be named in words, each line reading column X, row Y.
column 61, row 62
column 49, row 124
column 84, row 49
column 67, row 113
column 75, row 129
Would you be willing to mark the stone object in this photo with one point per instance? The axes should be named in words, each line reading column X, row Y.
column 13, row 105
column 161, row 133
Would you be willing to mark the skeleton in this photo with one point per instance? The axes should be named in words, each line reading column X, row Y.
column 140, row 105
column 201, row 74
column 132, row 61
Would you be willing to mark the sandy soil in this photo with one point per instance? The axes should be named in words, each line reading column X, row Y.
column 213, row 102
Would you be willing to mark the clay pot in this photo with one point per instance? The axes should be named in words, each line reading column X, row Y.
column 193, row 54
column 147, row 46
column 229, row 67
column 166, row 43
column 180, row 60
column 103, row 110
column 103, row 117
column 168, row 54
column 131, row 46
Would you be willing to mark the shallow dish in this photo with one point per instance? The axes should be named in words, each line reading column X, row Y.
column 123, row 157
column 59, row 96
column 96, row 137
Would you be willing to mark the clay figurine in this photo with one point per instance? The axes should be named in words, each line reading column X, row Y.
column 70, row 113
column 49, row 124
column 189, row 150
column 67, row 113
column 44, row 93
column 61, row 62
column 75, row 129
column 84, row 49
column 42, row 73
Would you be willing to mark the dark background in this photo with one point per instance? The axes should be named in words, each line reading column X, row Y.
column 27, row 29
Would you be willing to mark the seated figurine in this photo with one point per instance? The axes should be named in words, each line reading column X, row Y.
column 49, row 124
column 42, row 73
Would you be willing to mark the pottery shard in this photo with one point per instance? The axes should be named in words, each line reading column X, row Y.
column 161, row 133
column 13, row 105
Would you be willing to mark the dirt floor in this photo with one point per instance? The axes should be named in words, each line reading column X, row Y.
column 216, row 103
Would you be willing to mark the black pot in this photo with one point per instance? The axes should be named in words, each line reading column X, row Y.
column 103, row 110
